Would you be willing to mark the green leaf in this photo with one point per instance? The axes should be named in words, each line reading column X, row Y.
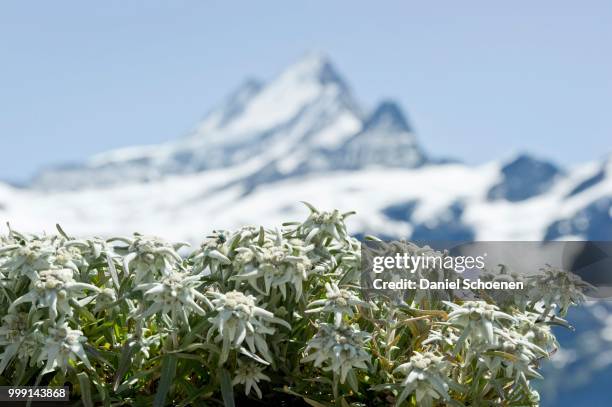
column 168, row 371
column 61, row 231
column 312, row 208
column 124, row 363
column 112, row 269
column 227, row 389
column 85, row 385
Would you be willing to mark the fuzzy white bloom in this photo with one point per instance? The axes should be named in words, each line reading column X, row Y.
column 525, row 354
column 62, row 345
column 278, row 266
column 478, row 321
column 54, row 289
column 104, row 299
column 518, row 298
column 339, row 302
column 212, row 253
column 341, row 348
column 536, row 331
column 321, row 225
column 249, row 374
column 13, row 333
column 28, row 259
column 239, row 320
column 148, row 257
column 426, row 375
column 433, row 270
column 446, row 337
column 557, row 287
column 70, row 257
column 174, row 294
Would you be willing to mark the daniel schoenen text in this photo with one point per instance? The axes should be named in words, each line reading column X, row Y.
column 411, row 263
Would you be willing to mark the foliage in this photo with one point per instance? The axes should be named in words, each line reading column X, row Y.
column 257, row 314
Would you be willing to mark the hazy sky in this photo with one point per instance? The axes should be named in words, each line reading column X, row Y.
column 479, row 79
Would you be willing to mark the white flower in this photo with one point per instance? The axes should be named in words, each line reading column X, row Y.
column 536, row 331
column 54, row 289
column 279, row 266
column 555, row 287
column 507, row 298
column 62, row 345
column 426, row 376
column 148, row 257
column 12, row 334
column 339, row 302
column 478, row 321
column 212, row 253
column 239, row 320
column 446, row 337
column 323, row 225
column 249, row 373
column 29, row 258
column 70, row 257
column 341, row 348
column 520, row 358
column 174, row 294
column 104, row 299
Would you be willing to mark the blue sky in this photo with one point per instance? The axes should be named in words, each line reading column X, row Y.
column 479, row 79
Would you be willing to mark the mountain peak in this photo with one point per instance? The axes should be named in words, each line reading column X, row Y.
column 315, row 66
column 524, row 177
column 388, row 115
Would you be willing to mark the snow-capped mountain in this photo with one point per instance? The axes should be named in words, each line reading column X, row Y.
column 305, row 120
column 305, row 136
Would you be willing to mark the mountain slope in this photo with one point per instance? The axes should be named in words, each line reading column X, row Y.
column 304, row 136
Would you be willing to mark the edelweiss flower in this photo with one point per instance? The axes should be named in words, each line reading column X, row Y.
column 12, row 333
column 557, row 287
column 521, row 359
column 506, row 298
column 478, row 321
column 536, row 331
column 212, row 253
column 323, row 225
column 91, row 249
column 105, row 297
column 27, row 260
column 62, row 345
column 96, row 249
column 339, row 302
column 238, row 320
column 175, row 294
column 148, row 257
column 350, row 262
column 426, row 376
column 53, row 289
column 278, row 266
column 433, row 270
column 341, row 348
column 249, row 374
column 71, row 258
column 446, row 337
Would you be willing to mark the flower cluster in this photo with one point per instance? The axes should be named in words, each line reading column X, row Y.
column 338, row 301
column 425, row 375
column 265, row 313
column 341, row 349
column 237, row 319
